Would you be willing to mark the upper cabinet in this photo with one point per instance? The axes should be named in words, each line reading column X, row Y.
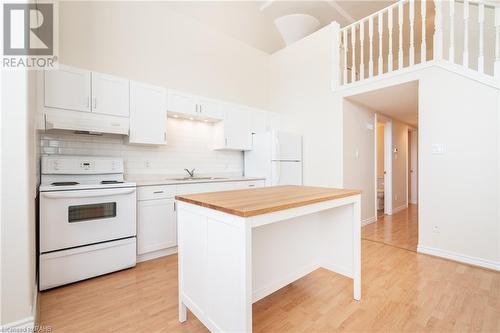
column 67, row 88
column 110, row 95
column 75, row 89
column 191, row 106
column 148, row 114
column 235, row 131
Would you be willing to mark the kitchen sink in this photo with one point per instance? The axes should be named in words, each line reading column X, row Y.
column 198, row 178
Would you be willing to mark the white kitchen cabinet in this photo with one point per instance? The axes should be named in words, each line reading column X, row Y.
column 209, row 108
column 110, row 95
column 234, row 132
column 191, row 106
column 248, row 184
column 67, row 88
column 156, row 225
column 148, row 114
column 181, row 103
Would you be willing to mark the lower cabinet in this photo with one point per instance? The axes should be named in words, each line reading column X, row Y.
column 156, row 215
column 157, row 225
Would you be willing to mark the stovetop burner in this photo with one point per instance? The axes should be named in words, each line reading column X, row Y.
column 111, row 182
column 64, row 183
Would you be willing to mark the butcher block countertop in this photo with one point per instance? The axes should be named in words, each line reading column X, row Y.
column 263, row 200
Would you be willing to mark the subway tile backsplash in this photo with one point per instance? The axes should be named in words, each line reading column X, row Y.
column 188, row 146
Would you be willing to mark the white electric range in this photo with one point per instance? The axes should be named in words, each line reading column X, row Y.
column 87, row 219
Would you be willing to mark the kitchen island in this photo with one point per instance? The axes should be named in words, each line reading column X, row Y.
column 237, row 247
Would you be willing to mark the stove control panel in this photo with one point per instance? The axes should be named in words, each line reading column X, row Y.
column 80, row 165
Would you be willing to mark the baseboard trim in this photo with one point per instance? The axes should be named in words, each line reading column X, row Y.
column 368, row 221
column 27, row 324
column 23, row 325
column 398, row 209
column 157, row 254
column 475, row 261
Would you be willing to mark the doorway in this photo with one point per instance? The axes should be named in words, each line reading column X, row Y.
column 392, row 182
column 383, row 167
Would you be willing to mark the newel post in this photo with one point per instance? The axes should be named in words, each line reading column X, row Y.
column 497, row 44
column 438, row 31
column 335, row 55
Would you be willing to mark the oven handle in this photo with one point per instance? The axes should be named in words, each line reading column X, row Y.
column 87, row 194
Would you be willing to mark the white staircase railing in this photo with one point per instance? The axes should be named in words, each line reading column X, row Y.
column 411, row 32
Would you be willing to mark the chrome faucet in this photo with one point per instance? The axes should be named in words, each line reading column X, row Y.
column 191, row 173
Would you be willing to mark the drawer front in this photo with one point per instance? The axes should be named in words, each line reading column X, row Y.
column 248, row 184
column 156, row 192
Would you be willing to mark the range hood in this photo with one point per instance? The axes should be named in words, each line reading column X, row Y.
column 85, row 122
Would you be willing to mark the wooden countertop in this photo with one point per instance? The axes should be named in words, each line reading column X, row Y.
column 263, row 200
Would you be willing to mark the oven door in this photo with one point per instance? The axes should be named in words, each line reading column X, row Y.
column 81, row 217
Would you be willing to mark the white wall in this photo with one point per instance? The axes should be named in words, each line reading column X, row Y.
column 359, row 155
column 189, row 146
column 17, row 198
column 459, row 190
column 399, row 165
column 146, row 41
column 300, row 77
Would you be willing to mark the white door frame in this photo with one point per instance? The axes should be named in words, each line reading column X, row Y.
column 387, row 163
column 388, row 168
column 412, row 164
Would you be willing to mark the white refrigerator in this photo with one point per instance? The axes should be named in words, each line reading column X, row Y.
column 277, row 156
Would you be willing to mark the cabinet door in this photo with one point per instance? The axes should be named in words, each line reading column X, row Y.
column 110, row 95
column 209, row 108
column 148, row 114
column 67, row 88
column 157, row 225
column 182, row 103
column 237, row 130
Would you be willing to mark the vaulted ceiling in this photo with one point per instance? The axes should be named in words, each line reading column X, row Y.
column 252, row 22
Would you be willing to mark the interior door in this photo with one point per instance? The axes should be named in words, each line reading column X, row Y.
column 286, row 173
column 148, row 114
column 413, row 177
column 110, row 95
column 287, row 146
column 67, row 88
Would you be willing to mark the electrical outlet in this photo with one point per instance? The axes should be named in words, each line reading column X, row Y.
column 435, row 229
column 147, row 164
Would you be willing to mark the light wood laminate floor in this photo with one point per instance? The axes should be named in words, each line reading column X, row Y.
column 400, row 229
column 402, row 292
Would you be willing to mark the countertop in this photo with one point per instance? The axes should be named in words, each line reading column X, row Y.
column 165, row 180
column 263, row 200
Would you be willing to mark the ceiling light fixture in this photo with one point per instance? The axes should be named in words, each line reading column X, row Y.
column 296, row 26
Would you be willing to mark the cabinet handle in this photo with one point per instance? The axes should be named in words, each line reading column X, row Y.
column 95, row 104
column 175, row 206
column 88, row 101
column 196, row 108
column 225, row 142
column 251, row 185
column 164, row 136
column 201, row 108
column 158, row 192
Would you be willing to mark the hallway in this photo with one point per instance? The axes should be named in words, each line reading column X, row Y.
column 399, row 230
